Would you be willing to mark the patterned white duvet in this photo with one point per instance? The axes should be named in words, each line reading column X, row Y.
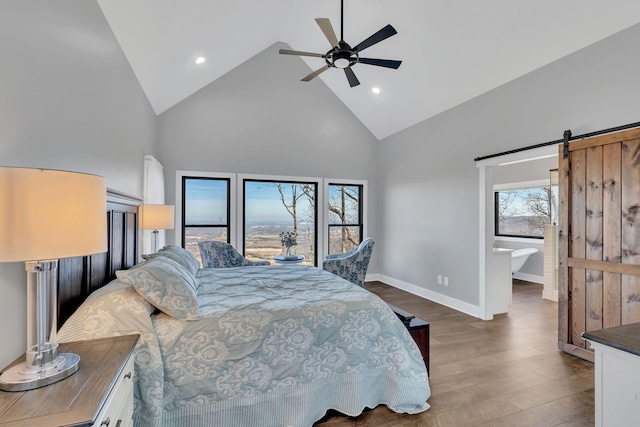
column 274, row 346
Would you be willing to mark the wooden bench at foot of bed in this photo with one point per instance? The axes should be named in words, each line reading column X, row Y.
column 419, row 330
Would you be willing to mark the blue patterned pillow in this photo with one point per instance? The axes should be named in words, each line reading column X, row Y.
column 167, row 285
column 188, row 266
column 187, row 257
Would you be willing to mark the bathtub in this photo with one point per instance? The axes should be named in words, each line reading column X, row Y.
column 519, row 257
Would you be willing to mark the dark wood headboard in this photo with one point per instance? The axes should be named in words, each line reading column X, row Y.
column 79, row 276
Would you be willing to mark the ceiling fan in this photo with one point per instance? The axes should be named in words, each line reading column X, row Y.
column 344, row 56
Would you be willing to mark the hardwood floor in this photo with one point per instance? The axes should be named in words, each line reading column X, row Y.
column 504, row 372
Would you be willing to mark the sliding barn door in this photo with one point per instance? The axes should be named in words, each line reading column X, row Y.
column 599, row 237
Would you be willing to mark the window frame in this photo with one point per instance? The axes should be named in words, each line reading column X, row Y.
column 363, row 184
column 231, row 206
column 360, row 223
column 514, row 186
column 319, row 223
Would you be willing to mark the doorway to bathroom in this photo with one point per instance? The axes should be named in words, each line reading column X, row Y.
column 525, row 219
column 505, row 227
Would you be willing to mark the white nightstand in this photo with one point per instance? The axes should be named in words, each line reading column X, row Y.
column 100, row 394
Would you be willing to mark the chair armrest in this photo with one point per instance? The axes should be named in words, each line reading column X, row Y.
column 335, row 263
column 246, row 262
column 343, row 256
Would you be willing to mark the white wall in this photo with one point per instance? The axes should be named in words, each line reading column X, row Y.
column 260, row 118
column 429, row 181
column 68, row 100
column 534, row 170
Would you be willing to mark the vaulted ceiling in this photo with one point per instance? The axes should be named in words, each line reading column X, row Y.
column 451, row 50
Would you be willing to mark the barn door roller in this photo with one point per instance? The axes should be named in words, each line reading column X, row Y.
column 567, row 137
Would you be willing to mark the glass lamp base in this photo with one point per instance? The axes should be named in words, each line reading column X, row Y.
column 21, row 378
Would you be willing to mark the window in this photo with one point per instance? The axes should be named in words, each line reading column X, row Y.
column 206, row 213
column 272, row 207
column 345, row 217
column 251, row 211
column 523, row 212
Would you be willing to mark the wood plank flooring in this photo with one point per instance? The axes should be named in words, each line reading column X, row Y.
column 499, row 373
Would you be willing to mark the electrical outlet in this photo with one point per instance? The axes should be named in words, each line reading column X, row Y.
column 439, row 280
column 446, row 281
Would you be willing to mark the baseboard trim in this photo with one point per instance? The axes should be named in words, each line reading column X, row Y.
column 550, row 295
column 466, row 308
column 529, row 277
column 375, row 277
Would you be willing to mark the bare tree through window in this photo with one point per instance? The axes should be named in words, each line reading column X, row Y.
column 523, row 212
column 345, row 217
column 275, row 207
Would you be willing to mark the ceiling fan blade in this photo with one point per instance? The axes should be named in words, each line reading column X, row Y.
column 351, row 76
column 327, row 29
column 315, row 73
column 296, row 52
column 389, row 63
column 383, row 34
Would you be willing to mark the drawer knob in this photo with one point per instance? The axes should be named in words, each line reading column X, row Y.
column 106, row 422
column 128, row 376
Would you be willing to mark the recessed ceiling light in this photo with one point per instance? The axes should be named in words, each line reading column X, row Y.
column 376, row 90
column 200, row 60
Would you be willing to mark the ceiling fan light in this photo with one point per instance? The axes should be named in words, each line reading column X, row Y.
column 341, row 63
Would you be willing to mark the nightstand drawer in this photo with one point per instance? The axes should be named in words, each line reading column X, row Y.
column 118, row 408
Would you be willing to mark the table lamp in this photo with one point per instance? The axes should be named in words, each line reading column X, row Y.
column 156, row 218
column 46, row 215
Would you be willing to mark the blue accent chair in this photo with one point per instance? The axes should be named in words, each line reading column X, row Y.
column 217, row 254
column 352, row 265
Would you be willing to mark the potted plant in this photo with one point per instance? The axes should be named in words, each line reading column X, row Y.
column 288, row 240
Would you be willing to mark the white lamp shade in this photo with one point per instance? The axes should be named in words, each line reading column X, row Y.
column 49, row 214
column 156, row 217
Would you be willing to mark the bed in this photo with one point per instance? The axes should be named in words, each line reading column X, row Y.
column 251, row 346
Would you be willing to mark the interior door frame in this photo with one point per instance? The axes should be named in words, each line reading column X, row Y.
column 486, row 220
